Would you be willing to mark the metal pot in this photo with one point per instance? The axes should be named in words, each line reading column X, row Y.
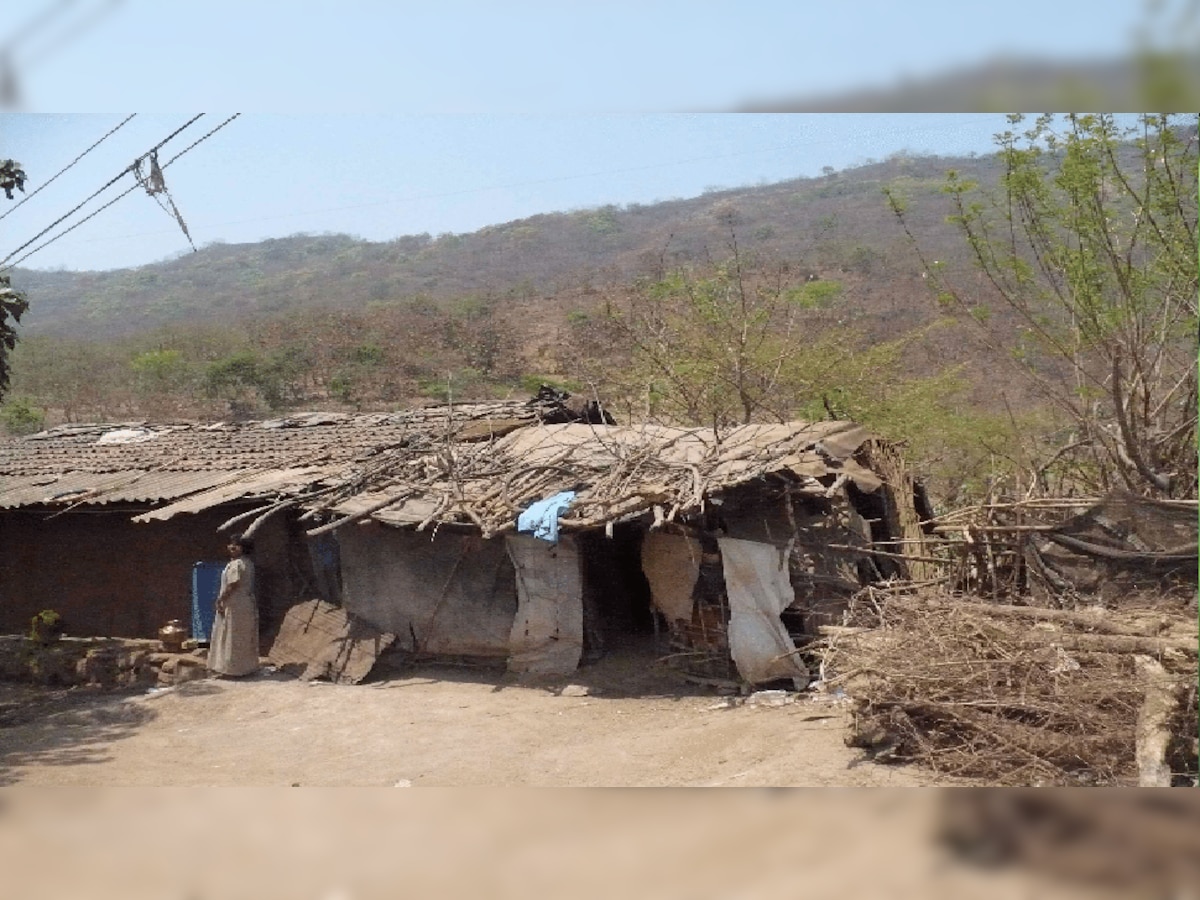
column 172, row 635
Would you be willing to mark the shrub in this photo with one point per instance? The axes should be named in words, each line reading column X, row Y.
column 20, row 416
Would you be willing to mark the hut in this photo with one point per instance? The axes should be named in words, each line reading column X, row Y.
column 526, row 532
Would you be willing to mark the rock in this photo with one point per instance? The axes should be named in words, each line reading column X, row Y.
column 727, row 703
column 190, row 673
column 770, row 698
column 575, row 690
column 132, row 659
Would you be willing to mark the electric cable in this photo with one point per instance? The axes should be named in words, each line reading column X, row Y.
column 46, row 184
column 110, row 183
column 5, row 265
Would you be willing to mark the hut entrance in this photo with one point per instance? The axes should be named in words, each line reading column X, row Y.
column 617, row 612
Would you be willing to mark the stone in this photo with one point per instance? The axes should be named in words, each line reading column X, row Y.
column 131, row 659
column 575, row 690
column 190, row 673
column 770, row 698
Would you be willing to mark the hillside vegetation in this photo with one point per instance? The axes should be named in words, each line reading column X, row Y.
column 805, row 298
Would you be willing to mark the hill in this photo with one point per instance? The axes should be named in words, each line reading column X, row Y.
column 838, row 223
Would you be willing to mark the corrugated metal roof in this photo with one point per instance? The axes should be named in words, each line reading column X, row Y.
column 141, row 462
column 242, row 484
column 128, row 486
column 411, row 511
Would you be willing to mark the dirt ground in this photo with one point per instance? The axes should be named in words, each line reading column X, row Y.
column 433, row 725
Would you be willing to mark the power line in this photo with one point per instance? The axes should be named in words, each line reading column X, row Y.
column 30, row 196
column 7, row 265
column 199, row 140
column 110, row 183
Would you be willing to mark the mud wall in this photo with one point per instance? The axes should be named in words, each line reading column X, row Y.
column 107, row 576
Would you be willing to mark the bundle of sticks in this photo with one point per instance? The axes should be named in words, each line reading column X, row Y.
column 1019, row 695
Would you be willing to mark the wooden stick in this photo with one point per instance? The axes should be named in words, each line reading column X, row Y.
column 868, row 551
column 992, row 529
column 355, row 517
column 257, row 523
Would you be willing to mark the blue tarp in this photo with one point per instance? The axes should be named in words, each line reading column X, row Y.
column 542, row 517
column 206, row 584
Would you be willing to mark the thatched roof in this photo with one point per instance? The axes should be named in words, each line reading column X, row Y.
column 617, row 472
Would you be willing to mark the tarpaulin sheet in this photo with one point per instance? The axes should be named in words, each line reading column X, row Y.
column 671, row 564
column 757, row 583
column 206, row 585
column 547, row 633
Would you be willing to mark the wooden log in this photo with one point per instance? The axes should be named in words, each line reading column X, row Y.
column 1091, row 621
column 1153, row 726
column 1111, row 643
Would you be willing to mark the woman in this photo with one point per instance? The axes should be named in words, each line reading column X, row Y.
column 234, row 646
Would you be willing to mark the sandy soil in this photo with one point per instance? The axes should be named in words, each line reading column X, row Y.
column 432, row 726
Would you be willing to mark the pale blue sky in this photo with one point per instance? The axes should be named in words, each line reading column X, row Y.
column 386, row 118
column 524, row 55
column 382, row 176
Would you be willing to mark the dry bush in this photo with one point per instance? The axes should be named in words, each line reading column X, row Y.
column 1004, row 700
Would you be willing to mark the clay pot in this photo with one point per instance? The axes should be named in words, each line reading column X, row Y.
column 172, row 635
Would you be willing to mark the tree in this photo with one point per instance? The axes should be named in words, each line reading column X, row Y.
column 12, row 302
column 1089, row 246
column 710, row 345
column 737, row 341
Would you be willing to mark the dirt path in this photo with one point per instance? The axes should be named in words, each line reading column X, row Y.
column 433, row 726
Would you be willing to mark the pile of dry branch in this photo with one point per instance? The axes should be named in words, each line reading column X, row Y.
column 1018, row 695
column 487, row 479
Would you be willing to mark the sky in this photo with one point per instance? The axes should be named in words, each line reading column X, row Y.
column 382, row 176
column 528, row 55
column 379, row 119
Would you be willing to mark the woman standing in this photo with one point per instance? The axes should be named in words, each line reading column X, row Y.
column 234, row 646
